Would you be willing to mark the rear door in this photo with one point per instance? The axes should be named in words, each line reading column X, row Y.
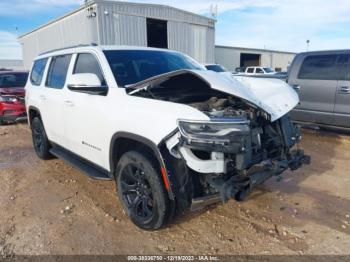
column 35, row 89
column 53, row 98
column 342, row 98
column 316, row 82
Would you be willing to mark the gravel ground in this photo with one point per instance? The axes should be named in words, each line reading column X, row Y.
column 48, row 207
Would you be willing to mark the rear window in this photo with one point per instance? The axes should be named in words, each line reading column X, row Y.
column 9, row 80
column 37, row 73
column 319, row 67
column 56, row 77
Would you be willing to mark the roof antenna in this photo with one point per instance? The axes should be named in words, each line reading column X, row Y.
column 213, row 11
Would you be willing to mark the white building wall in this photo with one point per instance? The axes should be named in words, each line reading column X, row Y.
column 230, row 57
column 11, row 64
column 125, row 24
column 227, row 57
column 193, row 40
column 73, row 29
column 122, row 23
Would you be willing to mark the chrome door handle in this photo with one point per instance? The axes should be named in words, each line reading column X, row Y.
column 42, row 97
column 69, row 103
column 344, row 90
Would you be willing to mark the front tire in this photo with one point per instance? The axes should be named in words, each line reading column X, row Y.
column 141, row 191
column 40, row 141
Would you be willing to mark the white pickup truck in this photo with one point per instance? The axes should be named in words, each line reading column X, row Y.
column 259, row 70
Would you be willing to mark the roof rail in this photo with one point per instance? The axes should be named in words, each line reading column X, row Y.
column 68, row 47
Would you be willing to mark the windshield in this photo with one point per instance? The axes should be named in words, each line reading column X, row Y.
column 268, row 70
column 216, row 68
column 9, row 80
column 132, row 66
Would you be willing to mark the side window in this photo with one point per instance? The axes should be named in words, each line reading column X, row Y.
column 259, row 71
column 57, row 74
column 36, row 76
column 250, row 70
column 319, row 67
column 87, row 63
column 343, row 67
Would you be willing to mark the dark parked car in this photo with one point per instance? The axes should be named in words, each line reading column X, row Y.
column 322, row 80
column 12, row 96
column 216, row 68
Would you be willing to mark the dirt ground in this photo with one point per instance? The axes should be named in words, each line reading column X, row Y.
column 48, row 207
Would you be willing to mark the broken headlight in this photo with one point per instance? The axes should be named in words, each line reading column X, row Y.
column 218, row 131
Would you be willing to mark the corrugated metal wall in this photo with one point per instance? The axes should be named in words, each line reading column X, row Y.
column 230, row 57
column 195, row 40
column 119, row 23
column 125, row 24
column 154, row 11
column 119, row 29
column 71, row 30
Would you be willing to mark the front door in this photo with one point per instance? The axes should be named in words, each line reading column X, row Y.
column 342, row 98
column 84, row 125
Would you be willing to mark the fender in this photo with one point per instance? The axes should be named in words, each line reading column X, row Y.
column 35, row 109
column 156, row 151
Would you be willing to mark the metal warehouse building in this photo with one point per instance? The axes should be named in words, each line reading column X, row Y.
column 7, row 64
column 109, row 22
column 232, row 57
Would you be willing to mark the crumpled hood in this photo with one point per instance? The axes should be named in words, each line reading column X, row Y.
column 274, row 96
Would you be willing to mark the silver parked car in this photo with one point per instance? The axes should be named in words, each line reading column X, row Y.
column 322, row 80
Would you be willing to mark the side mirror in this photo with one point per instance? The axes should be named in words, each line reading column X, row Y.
column 86, row 83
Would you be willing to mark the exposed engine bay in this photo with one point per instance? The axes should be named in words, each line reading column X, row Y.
column 239, row 147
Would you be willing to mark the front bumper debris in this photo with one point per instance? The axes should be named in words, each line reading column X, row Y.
column 240, row 186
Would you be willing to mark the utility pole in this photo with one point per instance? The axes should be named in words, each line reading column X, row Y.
column 307, row 45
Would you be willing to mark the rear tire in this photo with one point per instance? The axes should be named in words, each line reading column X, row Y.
column 41, row 143
column 1, row 121
column 141, row 191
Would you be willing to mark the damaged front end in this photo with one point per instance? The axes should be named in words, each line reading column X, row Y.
column 233, row 155
column 245, row 140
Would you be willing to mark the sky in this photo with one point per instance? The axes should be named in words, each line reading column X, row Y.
column 271, row 24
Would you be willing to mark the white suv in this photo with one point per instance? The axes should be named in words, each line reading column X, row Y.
column 172, row 135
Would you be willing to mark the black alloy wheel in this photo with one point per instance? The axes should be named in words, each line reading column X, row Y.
column 136, row 191
column 141, row 191
column 40, row 141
